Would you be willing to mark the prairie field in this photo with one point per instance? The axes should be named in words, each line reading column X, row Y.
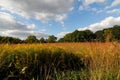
column 60, row 61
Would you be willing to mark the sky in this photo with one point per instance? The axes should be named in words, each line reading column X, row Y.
column 21, row 18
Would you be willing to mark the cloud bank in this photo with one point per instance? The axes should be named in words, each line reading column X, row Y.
column 106, row 23
column 10, row 27
column 39, row 9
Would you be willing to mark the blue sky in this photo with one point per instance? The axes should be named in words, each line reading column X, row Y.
column 20, row 18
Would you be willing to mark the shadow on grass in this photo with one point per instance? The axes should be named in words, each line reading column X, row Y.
column 42, row 64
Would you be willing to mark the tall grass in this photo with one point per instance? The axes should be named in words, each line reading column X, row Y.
column 60, row 61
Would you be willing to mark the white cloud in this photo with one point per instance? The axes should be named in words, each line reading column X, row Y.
column 115, row 3
column 10, row 27
column 60, row 18
column 7, row 17
column 106, row 23
column 86, row 5
column 31, row 26
column 62, row 34
column 39, row 9
column 114, row 11
column 88, row 2
column 23, row 34
column 8, row 22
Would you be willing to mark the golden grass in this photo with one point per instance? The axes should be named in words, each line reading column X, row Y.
column 102, row 59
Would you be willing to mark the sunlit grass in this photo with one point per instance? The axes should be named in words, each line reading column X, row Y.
column 61, row 61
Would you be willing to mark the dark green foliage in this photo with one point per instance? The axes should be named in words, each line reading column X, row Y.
column 42, row 40
column 31, row 39
column 99, row 36
column 9, row 40
column 116, row 32
column 51, row 39
column 61, row 40
column 109, row 34
column 79, row 36
column 68, row 37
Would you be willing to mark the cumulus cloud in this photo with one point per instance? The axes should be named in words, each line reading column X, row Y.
column 8, row 22
column 10, row 27
column 39, row 9
column 106, row 23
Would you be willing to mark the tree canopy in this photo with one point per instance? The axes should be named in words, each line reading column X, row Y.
column 31, row 39
column 108, row 34
column 51, row 39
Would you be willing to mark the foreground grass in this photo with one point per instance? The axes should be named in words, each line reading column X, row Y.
column 60, row 61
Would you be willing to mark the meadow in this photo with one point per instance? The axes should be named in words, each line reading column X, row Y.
column 60, row 61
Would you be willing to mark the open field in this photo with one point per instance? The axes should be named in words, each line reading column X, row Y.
column 60, row 61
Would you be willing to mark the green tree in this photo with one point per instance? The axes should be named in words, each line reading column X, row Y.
column 88, row 35
column 100, row 36
column 81, row 36
column 68, row 37
column 75, row 36
column 61, row 40
column 116, row 32
column 42, row 40
column 31, row 39
column 9, row 40
column 17, row 40
column 51, row 39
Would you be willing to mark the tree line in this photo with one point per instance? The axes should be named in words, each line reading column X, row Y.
column 29, row 39
column 108, row 34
